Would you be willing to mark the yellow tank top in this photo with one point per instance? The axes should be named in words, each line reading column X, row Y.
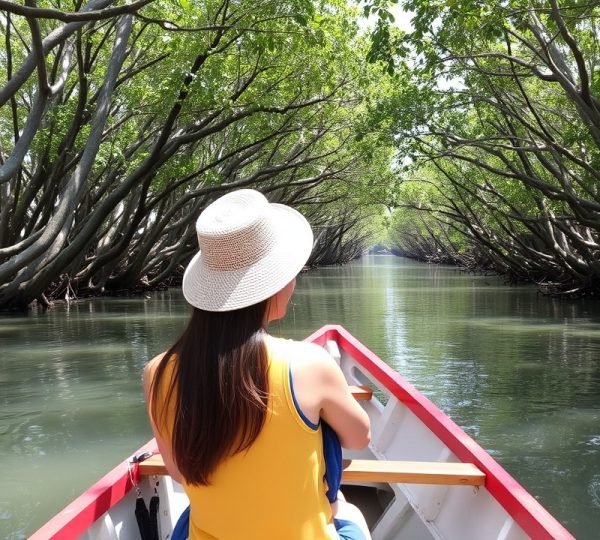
column 275, row 490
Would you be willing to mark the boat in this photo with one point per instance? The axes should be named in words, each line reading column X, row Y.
column 421, row 477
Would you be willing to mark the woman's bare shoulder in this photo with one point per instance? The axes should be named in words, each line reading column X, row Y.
column 152, row 364
column 292, row 345
column 150, row 369
column 305, row 353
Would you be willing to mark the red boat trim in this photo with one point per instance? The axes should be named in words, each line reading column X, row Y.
column 533, row 518
column 79, row 515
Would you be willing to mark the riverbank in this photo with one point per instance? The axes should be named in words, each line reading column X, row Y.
column 469, row 264
column 143, row 290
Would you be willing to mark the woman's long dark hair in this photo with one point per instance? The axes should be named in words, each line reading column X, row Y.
column 220, row 387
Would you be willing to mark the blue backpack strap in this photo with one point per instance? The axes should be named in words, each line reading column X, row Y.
column 332, row 450
column 182, row 527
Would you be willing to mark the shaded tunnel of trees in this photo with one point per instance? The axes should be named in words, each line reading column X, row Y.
column 500, row 139
column 119, row 123
column 478, row 128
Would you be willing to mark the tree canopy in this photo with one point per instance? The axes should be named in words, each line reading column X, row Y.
column 497, row 113
column 119, row 123
column 479, row 126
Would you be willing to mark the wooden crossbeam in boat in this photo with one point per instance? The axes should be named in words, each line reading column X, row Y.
column 412, row 472
column 153, row 466
column 361, row 393
column 372, row 470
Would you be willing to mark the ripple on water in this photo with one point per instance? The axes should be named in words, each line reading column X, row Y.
column 594, row 441
column 552, row 433
column 17, row 535
column 530, row 366
column 10, row 328
column 594, row 490
column 590, row 446
column 519, row 325
column 121, row 319
column 6, row 515
column 69, row 351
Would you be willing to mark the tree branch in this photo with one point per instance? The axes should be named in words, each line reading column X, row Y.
column 48, row 43
column 30, row 10
column 38, row 51
column 584, row 78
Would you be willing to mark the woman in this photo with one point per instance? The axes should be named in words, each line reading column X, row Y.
column 236, row 412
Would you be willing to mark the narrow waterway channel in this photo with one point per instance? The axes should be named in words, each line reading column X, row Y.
column 518, row 371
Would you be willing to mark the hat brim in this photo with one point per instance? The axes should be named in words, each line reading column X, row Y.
column 218, row 290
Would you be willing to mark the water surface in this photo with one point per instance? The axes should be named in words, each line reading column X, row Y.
column 518, row 371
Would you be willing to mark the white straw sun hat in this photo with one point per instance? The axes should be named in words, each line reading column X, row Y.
column 250, row 249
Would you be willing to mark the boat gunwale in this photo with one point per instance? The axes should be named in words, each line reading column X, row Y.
column 527, row 512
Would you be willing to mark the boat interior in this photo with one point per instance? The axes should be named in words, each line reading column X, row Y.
column 367, row 482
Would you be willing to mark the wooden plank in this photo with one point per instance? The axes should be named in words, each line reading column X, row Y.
column 361, row 393
column 412, row 472
column 153, row 466
column 372, row 470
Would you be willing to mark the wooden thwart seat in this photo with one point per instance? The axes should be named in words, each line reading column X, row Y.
column 361, row 393
column 372, row 470
column 412, row 472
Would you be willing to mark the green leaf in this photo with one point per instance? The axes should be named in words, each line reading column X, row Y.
column 301, row 19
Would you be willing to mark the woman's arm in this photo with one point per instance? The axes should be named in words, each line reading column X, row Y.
column 163, row 446
column 339, row 408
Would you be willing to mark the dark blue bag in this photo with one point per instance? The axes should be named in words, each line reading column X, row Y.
column 332, row 450
column 182, row 527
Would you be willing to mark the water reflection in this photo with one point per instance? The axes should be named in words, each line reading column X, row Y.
column 516, row 370
column 71, row 404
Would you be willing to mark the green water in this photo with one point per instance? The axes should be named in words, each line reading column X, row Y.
column 518, row 371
